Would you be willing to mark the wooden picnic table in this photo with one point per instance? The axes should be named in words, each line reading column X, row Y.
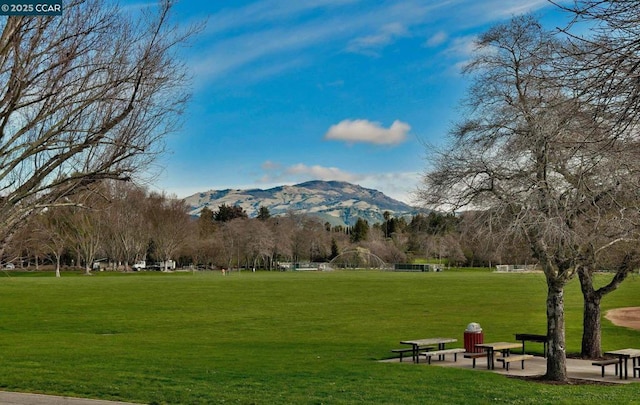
column 417, row 344
column 623, row 358
column 491, row 348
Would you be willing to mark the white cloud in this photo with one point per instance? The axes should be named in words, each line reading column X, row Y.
column 269, row 165
column 320, row 172
column 232, row 54
column 463, row 46
column 274, row 31
column 460, row 50
column 436, row 39
column 266, row 12
column 464, row 14
column 300, row 172
column 499, row 9
column 368, row 132
column 239, row 40
column 385, row 36
column 399, row 185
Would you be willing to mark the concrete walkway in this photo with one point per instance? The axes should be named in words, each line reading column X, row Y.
column 537, row 366
column 18, row 398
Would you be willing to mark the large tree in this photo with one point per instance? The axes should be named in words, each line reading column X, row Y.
column 85, row 227
column 531, row 157
column 169, row 220
column 127, row 230
column 606, row 75
column 49, row 230
column 85, row 96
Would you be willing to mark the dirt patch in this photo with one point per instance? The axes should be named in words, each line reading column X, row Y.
column 626, row 317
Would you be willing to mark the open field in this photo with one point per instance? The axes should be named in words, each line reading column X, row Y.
column 280, row 337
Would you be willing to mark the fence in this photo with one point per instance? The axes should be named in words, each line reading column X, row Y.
column 516, row 267
column 417, row 267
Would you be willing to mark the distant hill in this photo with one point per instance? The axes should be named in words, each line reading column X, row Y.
column 336, row 202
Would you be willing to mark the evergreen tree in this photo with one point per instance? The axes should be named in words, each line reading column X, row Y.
column 227, row 213
column 206, row 223
column 263, row 213
column 360, row 231
column 334, row 249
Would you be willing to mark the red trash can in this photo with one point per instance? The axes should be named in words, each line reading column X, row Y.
column 472, row 336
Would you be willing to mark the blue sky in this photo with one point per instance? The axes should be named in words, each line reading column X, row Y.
column 286, row 91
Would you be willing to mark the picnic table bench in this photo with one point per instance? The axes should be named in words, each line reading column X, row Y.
column 442, row 353
column 474, row 356
column 406, row 350
column 510, row 359
column 607, row 362
column 530, row 337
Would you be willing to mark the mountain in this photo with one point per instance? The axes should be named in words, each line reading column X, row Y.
column 336, row 202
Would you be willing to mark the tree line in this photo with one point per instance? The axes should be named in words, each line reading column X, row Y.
column 113, row 225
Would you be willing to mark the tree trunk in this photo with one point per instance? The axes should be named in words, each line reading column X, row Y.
column 591, row 334
column 591, row 331
column 591, row 321
column 556, row 356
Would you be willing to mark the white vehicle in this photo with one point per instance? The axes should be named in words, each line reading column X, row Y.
column 169, row 265
column 141, row 265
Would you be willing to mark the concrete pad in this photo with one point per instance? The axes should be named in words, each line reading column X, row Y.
column 537, row 366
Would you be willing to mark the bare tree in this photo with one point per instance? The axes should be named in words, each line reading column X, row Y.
column 309, row 239
column 86, row 96
column 531, row 154
column 128, row 229
column 231, row 236
column 23, row 244
column 480, row 242
column 84, row 228
column 606, row 72
column 385, row 250
column 48, row 230
column 258, row 241
column 169, row 221
column 609, row 57
column 282, row 229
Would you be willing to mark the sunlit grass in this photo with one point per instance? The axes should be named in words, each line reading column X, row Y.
column 278, row 337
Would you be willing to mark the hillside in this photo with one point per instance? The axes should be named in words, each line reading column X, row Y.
column 336, row 202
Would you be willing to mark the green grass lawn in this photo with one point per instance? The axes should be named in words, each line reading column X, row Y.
column 273, row 338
